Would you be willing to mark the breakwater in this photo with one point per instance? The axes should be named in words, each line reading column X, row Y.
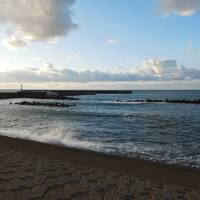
column 178, row 101
column 47, row 104
column 57, row 94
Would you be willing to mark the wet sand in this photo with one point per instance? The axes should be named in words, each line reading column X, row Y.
column 33, row 170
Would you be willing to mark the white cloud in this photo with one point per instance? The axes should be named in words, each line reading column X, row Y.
column 112, row 40
column 39, row 19
column 180, row 7
column 160, row 66
column 14, row 43
column 150, row 70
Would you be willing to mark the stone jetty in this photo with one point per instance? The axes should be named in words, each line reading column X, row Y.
column 47, row 104
column 57, row 94
column 178, row 101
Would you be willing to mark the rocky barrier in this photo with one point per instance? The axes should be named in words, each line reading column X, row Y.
column 180, row 101
column 47, row 104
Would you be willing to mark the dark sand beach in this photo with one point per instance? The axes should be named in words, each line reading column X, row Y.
column 33, row 170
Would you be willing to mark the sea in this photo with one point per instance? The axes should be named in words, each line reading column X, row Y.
column 161, row 132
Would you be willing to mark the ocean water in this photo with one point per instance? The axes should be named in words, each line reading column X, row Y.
column 161, row 132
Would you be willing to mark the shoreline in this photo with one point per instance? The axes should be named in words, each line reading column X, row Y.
column 170, row 174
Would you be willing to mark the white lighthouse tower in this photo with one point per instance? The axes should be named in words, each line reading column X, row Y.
column 21, row 88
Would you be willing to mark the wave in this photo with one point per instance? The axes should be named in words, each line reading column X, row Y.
column 137, row 102
column 55, row 136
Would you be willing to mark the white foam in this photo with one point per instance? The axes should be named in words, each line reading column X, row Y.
column 55, row 136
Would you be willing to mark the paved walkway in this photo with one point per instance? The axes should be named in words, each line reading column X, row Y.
column 26, row 176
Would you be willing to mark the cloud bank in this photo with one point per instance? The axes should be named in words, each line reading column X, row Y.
column 38, row 20
column 180, row 7
column 150, row 70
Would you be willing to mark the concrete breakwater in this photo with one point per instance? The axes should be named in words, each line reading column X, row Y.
column 57, row 94
column 36, row 95
column 47, row 104
column 180, row 101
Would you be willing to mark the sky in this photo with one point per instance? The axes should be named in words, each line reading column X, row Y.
column 100, row 44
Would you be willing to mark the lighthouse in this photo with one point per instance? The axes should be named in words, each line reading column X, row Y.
column 21, row 89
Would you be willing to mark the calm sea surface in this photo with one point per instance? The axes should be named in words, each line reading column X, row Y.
column 155, row 131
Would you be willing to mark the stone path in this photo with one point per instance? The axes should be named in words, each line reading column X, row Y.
column 26, row 176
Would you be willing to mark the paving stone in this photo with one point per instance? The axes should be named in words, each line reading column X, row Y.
column 25, row 176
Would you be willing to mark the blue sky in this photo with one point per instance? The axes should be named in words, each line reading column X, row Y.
column 143, row 34
column 115, row 36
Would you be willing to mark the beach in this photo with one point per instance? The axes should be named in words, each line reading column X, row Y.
column 99, row 100
column 34, row 170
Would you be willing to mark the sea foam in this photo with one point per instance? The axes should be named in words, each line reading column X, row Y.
column 55, row 136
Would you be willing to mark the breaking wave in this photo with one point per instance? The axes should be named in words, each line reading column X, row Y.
column 55, row 136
